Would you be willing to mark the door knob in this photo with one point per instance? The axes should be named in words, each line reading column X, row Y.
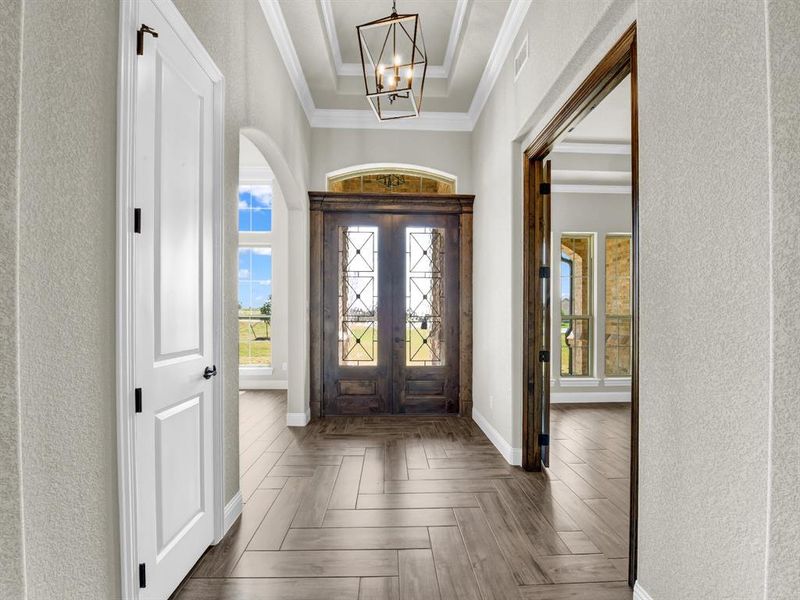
column 209, row 372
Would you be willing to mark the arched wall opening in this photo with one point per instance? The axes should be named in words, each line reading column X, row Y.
column 290, row 265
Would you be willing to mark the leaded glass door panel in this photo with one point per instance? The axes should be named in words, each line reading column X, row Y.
column 357, row 317
column 425, row 273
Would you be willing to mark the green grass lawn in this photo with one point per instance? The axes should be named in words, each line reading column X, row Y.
column 254, row 349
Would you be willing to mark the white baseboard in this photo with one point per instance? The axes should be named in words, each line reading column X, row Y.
column 232, row 511
column 298, row 419
column 512, row 455
column 583, row 397
column 640, row 594
column 262, row 384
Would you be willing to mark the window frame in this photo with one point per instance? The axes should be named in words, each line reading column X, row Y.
column 616, row 377
column 257, row 239
column 590, row 318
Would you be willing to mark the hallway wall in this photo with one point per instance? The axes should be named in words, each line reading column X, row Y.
column 783, row 575
column 66, row 270
column 706, row 258
column 12, row 576
column 333, row 149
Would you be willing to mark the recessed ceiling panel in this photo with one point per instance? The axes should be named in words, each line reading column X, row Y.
column 436, row 17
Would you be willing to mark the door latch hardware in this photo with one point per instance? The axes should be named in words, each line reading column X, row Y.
column 209, row 372
column 544, row 356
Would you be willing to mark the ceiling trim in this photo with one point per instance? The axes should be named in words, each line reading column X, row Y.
column 328, row 118
column 575, row 188
column 277, row 25
column 502, row 46
column 592, row 148
column 365, row 119
column 344, row 69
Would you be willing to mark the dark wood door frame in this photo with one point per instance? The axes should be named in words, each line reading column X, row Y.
column 613, row 68
column 328, row 203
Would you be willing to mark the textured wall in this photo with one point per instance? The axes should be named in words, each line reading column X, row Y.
column 333, row 149
column 66, row 298
column 784, row 60
column 704, row 215
column 12, row 575
column 258, row 96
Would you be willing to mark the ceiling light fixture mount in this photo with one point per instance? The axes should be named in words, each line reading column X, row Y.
column 394, row 62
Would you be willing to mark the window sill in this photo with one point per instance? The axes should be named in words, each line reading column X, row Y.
column 578, row 382
column 617, row 382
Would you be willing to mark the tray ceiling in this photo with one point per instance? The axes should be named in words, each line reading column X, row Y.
column 467, row 42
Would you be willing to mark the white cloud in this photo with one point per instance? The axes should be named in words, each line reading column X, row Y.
column 262, row 250
column 244, row 273
column 262, row 194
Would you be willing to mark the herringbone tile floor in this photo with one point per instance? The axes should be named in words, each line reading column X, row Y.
column 425, row 508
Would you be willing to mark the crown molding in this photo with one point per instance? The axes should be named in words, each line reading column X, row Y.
column 592, row 148
column 502, row 46
column 283, row 39
column 365, row 119
column 344, row 69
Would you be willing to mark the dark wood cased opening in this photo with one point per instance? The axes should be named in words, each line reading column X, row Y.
column 618, row 63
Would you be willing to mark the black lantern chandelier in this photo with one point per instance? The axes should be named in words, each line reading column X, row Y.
column 394, row 62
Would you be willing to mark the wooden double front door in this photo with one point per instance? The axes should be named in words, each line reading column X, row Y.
column 390, row 302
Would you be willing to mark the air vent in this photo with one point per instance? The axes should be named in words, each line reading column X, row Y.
column 521, row 58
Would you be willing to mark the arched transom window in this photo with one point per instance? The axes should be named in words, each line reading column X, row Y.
column 391, row 179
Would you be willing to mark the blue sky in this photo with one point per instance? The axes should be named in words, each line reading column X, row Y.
column 255, row 264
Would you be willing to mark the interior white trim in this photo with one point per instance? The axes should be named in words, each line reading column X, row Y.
column 578, row 382
column 233, row 510
column 262, row 383
column 639, row 593
column 388, row 165
column 617, row 381
column 514, row 18
column 588, row 397
column 255, row 176
column 126, row 472
column 365, row 119
column 341, row 118
column 592, row 148
column 581, row 188
column 512, row 455
column 277, row 25
column 298, row 419
column 344, row 69
column 126, row 126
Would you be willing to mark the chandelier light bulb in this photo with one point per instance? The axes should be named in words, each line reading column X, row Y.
column 397, row 60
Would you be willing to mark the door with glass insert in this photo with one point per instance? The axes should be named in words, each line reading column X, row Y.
column 356, row 315
column 390, row 314
column 425, row 272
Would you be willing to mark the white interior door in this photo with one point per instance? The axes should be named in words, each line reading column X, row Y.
column 173, row 314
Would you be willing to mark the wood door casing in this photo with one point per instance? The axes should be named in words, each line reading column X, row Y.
column 427, row 389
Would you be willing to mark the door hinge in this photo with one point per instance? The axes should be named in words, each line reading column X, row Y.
column 142, row 575
column 544, row 272
column 544, row 189
column 137, row 220
column 544, row 439
column 544, row 356
column 140, row 37
column 531, row 386
column 137, row 400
